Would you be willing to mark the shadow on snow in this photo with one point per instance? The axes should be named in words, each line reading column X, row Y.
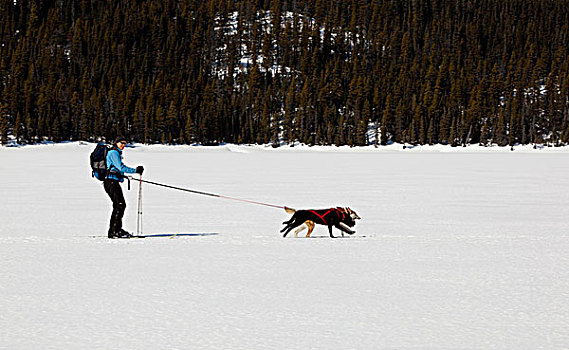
column 186, row 234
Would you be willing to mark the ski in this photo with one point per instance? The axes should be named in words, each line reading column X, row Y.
column 118, row 238
column 165, row 235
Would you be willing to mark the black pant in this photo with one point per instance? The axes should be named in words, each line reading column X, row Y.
column 114, row 190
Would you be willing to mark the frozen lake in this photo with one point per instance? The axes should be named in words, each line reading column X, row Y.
column 455, row 250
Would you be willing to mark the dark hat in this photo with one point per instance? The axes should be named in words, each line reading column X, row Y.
column 119, row 139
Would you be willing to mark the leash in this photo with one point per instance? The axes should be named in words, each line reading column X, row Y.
column 206, row 193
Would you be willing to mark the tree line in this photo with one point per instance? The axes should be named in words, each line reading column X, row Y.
column 318, row 72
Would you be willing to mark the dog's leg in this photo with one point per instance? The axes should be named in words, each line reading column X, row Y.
column 310, row 225
column 287, row 229
column 289, row 221
column 290, row 227
column 288, row 224
column 330, row 230
column 299, row 230
column 343, row 229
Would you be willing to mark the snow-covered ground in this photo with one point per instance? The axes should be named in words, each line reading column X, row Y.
column 455, row 250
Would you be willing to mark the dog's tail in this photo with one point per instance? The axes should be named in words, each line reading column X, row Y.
column 289, row 210
column 291, row 220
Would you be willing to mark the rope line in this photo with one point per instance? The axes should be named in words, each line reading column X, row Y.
column 207, row 193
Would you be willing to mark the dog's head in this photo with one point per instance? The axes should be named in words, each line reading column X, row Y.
column 352, row 213
column 350, row 217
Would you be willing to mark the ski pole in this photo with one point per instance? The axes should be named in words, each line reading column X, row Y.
column 139, row 214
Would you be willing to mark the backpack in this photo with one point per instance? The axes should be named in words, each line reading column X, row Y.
column 99, row 161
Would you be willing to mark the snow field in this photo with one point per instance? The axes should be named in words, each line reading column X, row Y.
column 459, row 250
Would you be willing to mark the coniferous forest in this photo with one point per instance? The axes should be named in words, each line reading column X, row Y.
column 343, row 72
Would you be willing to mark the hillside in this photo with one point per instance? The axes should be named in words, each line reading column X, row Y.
column 317, row 72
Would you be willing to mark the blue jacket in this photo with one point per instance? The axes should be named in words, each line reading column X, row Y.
column 115, row 164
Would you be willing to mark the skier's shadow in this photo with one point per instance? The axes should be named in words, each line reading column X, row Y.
column 182, row 234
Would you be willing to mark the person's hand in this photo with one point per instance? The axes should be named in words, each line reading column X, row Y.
column 139, row 169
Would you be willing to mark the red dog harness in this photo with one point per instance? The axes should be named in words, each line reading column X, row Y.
column 334, row 210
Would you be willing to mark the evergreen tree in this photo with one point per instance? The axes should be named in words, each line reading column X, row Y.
column 4, row 124
column 315, row 71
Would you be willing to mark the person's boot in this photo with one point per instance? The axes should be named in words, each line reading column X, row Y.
column 115, row 225
column 124, row 234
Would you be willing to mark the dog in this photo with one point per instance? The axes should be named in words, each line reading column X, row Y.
column 334, row 217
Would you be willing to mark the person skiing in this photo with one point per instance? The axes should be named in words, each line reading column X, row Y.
column 115, row 171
